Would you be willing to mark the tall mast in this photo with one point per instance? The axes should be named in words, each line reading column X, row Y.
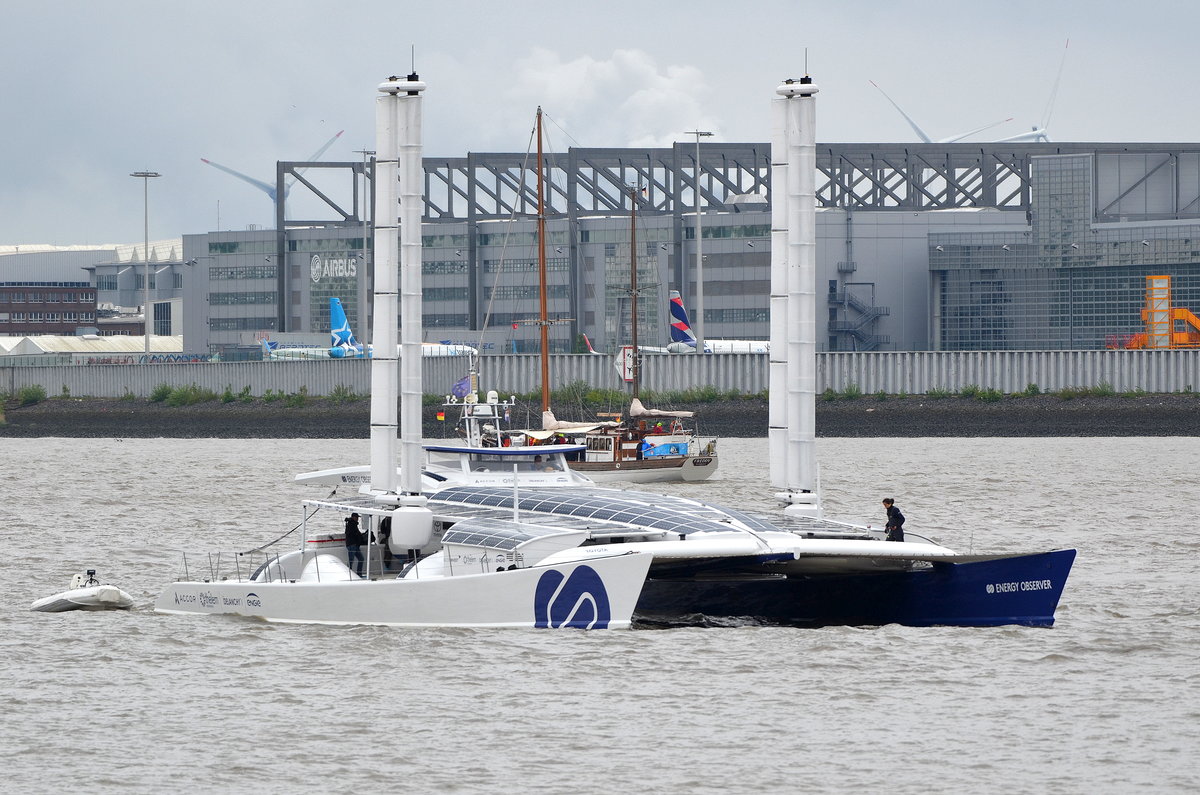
column 633, row 287
column 400, row 203
column 543, row 319
column 792, row 432
column 385, row 373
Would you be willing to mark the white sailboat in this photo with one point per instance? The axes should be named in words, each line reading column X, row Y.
column 491, row 536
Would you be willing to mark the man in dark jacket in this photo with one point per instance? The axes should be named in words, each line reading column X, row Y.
column 354, row 542
column 895, row 520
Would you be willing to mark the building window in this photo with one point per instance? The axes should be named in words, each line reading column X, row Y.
column 241, row 323
column 238, row 299
column 242, row 272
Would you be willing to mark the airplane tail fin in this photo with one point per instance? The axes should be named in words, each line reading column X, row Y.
column 341, row 337
column 588, row 343
column 681, row 328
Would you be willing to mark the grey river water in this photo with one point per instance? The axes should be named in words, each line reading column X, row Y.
column 1108, row 700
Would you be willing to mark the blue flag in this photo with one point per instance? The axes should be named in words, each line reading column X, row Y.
column 462, row 387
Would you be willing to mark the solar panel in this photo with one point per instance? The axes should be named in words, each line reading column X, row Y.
column 495, row 534
column 662, row 512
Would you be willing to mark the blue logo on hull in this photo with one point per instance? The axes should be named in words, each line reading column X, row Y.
column 580, row 600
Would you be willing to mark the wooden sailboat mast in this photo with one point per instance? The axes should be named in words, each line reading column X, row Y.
column 633, row 287
column 543, row 320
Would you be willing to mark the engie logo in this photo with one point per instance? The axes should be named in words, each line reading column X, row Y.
column 341, row 267
column 577, row 601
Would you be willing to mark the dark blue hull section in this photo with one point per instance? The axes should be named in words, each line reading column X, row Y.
column 1019, row 590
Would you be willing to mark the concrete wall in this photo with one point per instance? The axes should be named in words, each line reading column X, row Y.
column 891, row 372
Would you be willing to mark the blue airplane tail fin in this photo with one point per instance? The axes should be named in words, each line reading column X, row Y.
column 342, row 341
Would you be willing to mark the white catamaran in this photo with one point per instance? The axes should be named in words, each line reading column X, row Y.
column 509, row 536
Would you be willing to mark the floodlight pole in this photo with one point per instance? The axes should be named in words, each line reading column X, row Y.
column 699, row 319
column 147, row 323
column 364, row 321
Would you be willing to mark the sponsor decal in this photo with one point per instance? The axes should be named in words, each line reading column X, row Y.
column 207, row 600
column 253, row 600
column 332, row 267
column 701, row 462
column 1018, row 586
column 580, row 600
column 184, row 598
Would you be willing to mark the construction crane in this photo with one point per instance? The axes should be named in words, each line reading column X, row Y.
column 1166, row 326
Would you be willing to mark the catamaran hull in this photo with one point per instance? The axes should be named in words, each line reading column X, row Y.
column 598, row 594
column 1022, row 590
column 96, row 597
column 690, row 468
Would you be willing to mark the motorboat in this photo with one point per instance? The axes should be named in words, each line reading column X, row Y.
column 487, row 534
column 86, row 593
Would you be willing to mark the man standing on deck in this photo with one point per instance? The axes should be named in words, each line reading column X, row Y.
column 354, row 542
column 895, row 520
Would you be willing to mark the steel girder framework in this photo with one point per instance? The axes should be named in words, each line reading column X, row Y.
column 589, row 182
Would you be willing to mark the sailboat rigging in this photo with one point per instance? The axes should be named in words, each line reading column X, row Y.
column 640, row 448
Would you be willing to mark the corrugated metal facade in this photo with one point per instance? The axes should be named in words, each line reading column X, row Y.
column 911, row 372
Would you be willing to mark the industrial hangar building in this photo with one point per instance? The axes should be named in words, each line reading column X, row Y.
column 1004, row 246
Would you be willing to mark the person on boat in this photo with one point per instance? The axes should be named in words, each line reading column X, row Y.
column 354, row 542
column 895, row 520
column 385, row 532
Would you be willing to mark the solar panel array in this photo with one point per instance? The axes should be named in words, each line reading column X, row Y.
column 652, row 511
column 494, row 534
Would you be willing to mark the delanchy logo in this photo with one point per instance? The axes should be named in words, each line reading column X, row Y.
column 580, row 600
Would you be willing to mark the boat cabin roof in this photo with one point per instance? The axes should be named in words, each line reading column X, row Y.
column 520, row 452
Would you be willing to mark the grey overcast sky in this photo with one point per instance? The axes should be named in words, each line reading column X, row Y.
column 95, row 90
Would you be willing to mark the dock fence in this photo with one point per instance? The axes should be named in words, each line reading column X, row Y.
column 915, row 372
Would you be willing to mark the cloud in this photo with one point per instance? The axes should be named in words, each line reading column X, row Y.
column 628, row 99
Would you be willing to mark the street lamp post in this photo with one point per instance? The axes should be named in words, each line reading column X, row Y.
column 147, row 322
column 364, row 320
column 699, row 248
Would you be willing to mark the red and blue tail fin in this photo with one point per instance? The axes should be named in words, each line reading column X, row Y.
column 681, row 329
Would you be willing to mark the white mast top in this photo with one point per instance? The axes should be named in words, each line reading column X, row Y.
column 792, row 432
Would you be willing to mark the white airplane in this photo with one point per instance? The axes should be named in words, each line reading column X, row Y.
column 641, row 348
column 344, row 345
